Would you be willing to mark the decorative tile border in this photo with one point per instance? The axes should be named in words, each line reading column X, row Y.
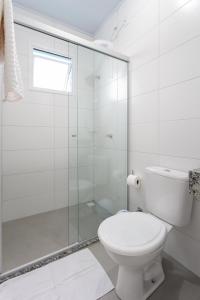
column 45, row 261
column 194, row 184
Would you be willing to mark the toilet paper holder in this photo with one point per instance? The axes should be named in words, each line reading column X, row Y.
column 134, row 180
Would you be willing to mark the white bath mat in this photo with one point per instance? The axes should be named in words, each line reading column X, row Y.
column 78, row 276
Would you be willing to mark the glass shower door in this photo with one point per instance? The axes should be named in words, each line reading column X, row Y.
column 102, row 139
column 35, row 203
column 63, row 151
column 87, row 225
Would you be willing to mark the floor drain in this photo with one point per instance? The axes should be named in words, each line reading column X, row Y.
column 91, row 204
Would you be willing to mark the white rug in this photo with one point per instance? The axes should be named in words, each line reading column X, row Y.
column 78, row 276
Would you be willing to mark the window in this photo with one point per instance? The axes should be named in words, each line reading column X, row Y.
column 52, row 71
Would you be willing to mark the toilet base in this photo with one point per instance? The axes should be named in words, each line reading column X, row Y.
column 139, row 284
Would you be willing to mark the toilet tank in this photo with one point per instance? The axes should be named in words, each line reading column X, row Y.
column 167, row 195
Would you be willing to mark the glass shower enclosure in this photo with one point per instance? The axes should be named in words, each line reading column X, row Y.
column 64, row 148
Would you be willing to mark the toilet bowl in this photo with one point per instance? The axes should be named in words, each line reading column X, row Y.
column 135, row 240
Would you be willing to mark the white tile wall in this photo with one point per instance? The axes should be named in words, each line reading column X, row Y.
column 144, row 137
column 180, row 101
column 136, row 27
column 145, row 49
column 144, row 108
column 61, row 137
column 146, row 78
column 61, row 181
column 27, row 138
column 20, row 114
column 24, row 161
column 61, row 158
column 21, row 185
column 169, row 7
column 184, row 248
column 176, row 138
column 162, row 39
column 175, row 66
column 61, row 118
column 37, row 97
column 180, row 27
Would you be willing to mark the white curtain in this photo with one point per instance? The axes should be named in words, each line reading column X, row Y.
column 13, row 87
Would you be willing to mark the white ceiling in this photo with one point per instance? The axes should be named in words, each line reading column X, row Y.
column 85, row 15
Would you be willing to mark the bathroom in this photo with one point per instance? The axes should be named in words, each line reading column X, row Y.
column 100, row 114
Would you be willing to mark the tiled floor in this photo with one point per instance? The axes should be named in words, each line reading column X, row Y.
column 179, row 284
column 30, row 238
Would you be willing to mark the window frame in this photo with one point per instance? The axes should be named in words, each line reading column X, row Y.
column 31, row 68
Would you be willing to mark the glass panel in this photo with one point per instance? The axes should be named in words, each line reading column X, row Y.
column 102, row 142
column 120, row 168
column 110, row 134
column 35, row 166
column 87, row 218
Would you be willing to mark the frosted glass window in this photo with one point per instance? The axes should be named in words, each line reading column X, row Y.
column 52, row 71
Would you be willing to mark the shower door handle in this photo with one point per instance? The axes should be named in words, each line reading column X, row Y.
column 109, row 135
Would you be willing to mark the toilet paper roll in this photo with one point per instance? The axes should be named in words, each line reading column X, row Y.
column 134, row 181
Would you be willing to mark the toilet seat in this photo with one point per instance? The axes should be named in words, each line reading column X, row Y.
column 132, row 233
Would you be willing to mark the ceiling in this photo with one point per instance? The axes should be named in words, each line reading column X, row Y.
column 85, row 15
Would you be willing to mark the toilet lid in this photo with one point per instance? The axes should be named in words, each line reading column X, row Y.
column 132, row 233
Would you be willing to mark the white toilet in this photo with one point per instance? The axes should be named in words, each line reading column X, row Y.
column 135, row 240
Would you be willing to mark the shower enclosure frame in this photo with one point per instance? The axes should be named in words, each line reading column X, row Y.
column 62, row 35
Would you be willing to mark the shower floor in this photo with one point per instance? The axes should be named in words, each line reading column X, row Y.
column 30, row 238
